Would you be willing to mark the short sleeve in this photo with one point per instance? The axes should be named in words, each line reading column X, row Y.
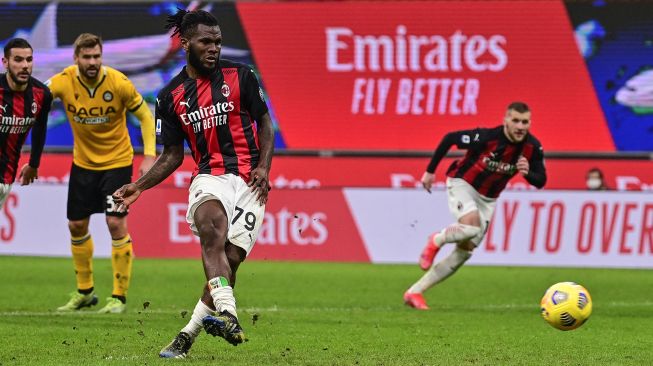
column 252, row 95
column 130, row 96
column 55, row 85
column 168, row 128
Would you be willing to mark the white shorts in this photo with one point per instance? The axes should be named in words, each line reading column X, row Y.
column 244, row 213
column 4, row 193
column 463, row 199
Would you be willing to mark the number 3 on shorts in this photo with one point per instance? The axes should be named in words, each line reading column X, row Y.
column 250, row 218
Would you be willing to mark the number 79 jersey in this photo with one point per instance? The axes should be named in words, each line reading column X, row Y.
column 216, row 116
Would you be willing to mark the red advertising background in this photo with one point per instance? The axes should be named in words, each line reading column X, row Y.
column 297, row 226
column 549, row 227
column 404, row 77
column 318, row 172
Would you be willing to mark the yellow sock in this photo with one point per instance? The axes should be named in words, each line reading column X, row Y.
column 82, row 249
column 121, row 261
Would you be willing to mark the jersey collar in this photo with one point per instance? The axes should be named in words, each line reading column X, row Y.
column 91, row 90
column 213, row 77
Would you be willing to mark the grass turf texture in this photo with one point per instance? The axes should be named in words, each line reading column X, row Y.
column 326, row 314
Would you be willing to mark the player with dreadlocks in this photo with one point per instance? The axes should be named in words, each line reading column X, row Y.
column 218, row 108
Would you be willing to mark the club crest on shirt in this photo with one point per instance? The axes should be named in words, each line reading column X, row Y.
column 35, row 107
column 107, row 96
column 225, row 90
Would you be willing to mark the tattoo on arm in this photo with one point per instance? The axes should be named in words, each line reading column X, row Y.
column 168, row 162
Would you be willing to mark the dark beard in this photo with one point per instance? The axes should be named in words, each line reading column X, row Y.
column 195, row 62
column 15, row 79
column 85, row 73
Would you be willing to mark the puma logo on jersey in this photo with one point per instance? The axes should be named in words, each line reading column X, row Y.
column 4, row 108
column 184, row 103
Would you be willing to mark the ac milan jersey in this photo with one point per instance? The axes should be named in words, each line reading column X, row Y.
column 215, row 115
column 491, row 159
column 19, row 112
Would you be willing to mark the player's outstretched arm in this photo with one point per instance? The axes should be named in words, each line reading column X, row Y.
column 168, row 162
column 460, row 138
column 427, row 181
column 260, row 177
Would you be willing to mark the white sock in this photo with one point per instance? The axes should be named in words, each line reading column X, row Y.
column 441, row 270
column 223, row 295
column 456, row 232
column 194, row 325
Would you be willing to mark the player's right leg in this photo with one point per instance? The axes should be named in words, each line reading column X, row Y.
column 413, row 297
column 454, row 233
column 466, row 233
column 211, row 221
column 225, row 324
column 83, row 188
column 182, row 343
column 463, row 201
column 81, row 245
column 470, row 231
column 445, row 268
column 122, row 253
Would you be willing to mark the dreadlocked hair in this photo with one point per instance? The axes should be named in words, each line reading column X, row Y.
column 184, row 22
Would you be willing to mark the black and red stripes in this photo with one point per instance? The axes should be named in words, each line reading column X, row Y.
column 212, row 114
column 19, row 112
column 491, row 162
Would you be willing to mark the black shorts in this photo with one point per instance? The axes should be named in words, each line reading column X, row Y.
column 89, row 191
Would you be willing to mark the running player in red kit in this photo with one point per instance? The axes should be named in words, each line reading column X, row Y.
column 213, row 105
column 494, row 156
column 24, row 104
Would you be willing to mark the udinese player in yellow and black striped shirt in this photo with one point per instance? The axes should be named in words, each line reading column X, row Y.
column 96, row 99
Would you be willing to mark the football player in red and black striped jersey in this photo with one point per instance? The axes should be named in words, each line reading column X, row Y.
column 24, row 104
column 494, row 156
column 217, row 107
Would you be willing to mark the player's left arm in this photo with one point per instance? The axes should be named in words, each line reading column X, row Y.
column 254, row 101
column 260, row 178
column 29, row 171
column 533, row 171
column 137, row 106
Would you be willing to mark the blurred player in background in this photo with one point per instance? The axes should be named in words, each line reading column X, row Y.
column 213, row 105
column 24, row 104
column 494, row 156
column 96, row 99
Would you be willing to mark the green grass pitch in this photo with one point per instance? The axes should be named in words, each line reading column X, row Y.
column 326, row 314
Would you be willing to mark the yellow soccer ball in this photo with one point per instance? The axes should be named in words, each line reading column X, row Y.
column 566, row 305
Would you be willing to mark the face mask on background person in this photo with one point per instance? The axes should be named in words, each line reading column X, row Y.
column 593, row 183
